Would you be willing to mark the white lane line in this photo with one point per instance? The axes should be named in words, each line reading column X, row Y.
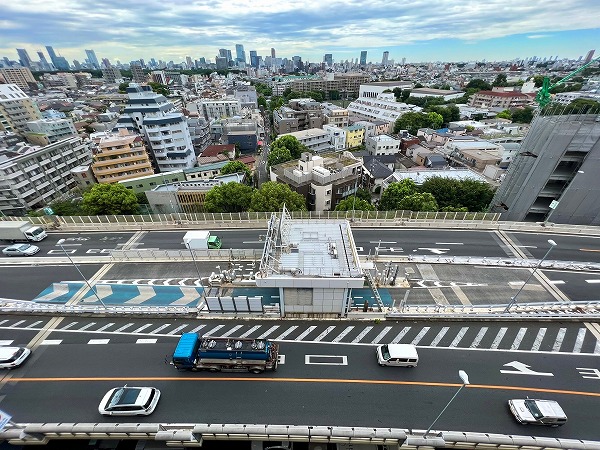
column 501, row 332
column 16, row 324
column 34, row 324
column 214, row 330
column 579, row 340
column 143, row 327
column 85, row 327
column 286, row 333
column 592, row 281
column 449, row 243
column 438, row 338
column 557, row 281
column 597, row 349
column 162, row 327
column 559, row 340
column 4, row 321
column 324, row 333
column 538, row 339
column 420, row 336
column 250, row 331
column 6, row 342
column 380, row 336
column 69, row 325
column 361, row 335
column 127, row 325
column 98, row 341
column 518, row 339
column 479, row 337
column 108, row 325
column 146, row 341
column 459, row 336
column 51, row 342
column 268, row 332
column 232, row 331
column 305, row 333
column 343, row 334
column 179, row 328
column 400, row 335
column 199, row 327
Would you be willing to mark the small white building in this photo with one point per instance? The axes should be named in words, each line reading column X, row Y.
column 337, row 137
column 382, row 145
column 315, row 139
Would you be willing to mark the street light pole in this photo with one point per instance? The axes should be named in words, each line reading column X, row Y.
column 513, row 299
column 465, row 379
column 60, row 243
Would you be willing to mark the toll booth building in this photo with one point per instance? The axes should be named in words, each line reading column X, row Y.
column 313, row 263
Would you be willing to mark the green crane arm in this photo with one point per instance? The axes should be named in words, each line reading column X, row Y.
column 543, row 96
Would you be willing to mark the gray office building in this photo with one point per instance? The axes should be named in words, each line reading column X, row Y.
column 554, row 177
column 24, row 58
column 363, row 58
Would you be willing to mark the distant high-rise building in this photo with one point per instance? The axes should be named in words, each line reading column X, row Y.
column 137, row 72
column 384, row 60
column 403, row 61
column 76, row 64
column 111, row 74
column 21, row 76
column 328, row 59
column 589, row 56
column 59, row 62
column 363, row 58
column 44, row 65
column 106, row 62
column 92, row 59
column 240, row 54
column 221, row 62
column 24, row 57
column 189, row 62
column 273, row 53
column 253, row 58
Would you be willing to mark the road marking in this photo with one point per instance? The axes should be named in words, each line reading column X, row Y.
column 524, row 369
column 588, row 250
column 362, row 334
column 579, row 340
column 286, row 333
column 380, row 336
column 98, row 341
column 518, row 339
column 538, row 339
column 143, row 327
column 199, row 327
column 179, row 328
column 6, row 342
column 214, row 330
column 449, row 243
column 233, row 330
column 559, row 339
column 459, row 336
column 326, row 360
column 556, row 281
column 439, row 337
column 4, row 321
column 146, row 341
column 108, row 325
column 51, row 342
column 268, row 332
column 34, row 324
column 400, row 335
column 305, row 333
column 16, row 323
column 420, row 336
column 479, row 337
column 343, row 334
column 499, row 336
column 597, row 349
column 250, row 331
column 67, row 326
column 592, row 281
column 324, row 333
column 162, row 327
column 127, row 325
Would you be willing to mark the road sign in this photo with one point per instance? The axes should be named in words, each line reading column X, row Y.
column 553, row 204
column 4, row 419
column 48, row 211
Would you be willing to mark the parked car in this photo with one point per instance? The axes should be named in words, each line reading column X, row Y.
column 539, row 412
column 21, row 250
column 400, row 355
column 129, row 401
column 11, row 357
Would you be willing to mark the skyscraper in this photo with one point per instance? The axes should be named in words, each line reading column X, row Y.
column 253, row 58
column 24, row 57
column 59, row 62
column 384, row 60
column 92, row 59
column 587, row 59
column 328, row 59
column 272, row 53
column 240, row 54
column 363, row 58
column 43, row 61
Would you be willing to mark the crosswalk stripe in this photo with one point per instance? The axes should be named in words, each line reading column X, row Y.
column 179, row 328
column 4, row 321
column 439, row 337
column 85, row 327
column 143, row 327
column 286, row 332
column 305, row 333
column 199, row 327
column 559, row 340
column 232, row 331
column 98, row 341
column 250, row 331
column 127, row 325
column 6, row 342
column 459, row 336
column 214, row 330
column 420, row 336
column 323, row 334
column 579, row 340
column 362, row 334
column 400, row 335
column 34, row 324
column 597, row 349
column 268, row 332
column 479, row 337
column 518, row 339
column 499, row 336
column 381, row 335
column 108, row 325
column 162, row 327
column 538, row 339
column 16, row 324
column 343, row 334
column 69, row 325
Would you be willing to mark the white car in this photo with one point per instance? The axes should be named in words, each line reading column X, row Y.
column 129, row 401
column 21, row 250
column 11, row 357
column 400, row 355
column 539, row 412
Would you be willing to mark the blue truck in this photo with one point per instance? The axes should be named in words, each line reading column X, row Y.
column 227, row 354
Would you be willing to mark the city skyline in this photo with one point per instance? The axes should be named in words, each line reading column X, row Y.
column 451, row 30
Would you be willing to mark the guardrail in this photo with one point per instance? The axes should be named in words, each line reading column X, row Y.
column 194, row 434
column 220, row 255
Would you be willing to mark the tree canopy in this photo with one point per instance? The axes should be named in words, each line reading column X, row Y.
column 230, row 198
column 412, row 121
column 106, row 199
column 278, row 155
column 479, row 84
column 236, row 167
column 159, row 88
column 473, row 195
column 423, row 201
column 524, row 115
column 354, row 203
column 395, row 192
column 271, row 196
column 292, row 144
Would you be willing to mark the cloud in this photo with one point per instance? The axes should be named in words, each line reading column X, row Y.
column 538, row 36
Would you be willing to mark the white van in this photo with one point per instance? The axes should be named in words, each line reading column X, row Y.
column 400, row 355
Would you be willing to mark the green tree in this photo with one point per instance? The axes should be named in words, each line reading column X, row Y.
column 412, row 121
column 397, row 93
column 423, row 201
column 524, row 115
column 505, row 115
column 123, row 87
column 479, row 84
column 236, row 167
column 405, row 95
column 334, row 95
column 262, row 102
column 354, row 203
column 278, row 155
column 159, row 88
column 276, row 103
column 66, row 208
column 108, row 199
column 141, row 198
column 263, row 89
column 395, row 192
column 500, row 80
column 363, row 194
column 445, row 190
column 474, row 195
column 434, row 120
column 228, row 198
column 538, row 80
column 271, row 196
column 292, row 144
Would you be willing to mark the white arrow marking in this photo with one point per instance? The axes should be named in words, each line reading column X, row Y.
column 435, row 251
column 524, row 369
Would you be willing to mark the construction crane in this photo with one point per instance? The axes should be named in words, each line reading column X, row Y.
column 543, row 96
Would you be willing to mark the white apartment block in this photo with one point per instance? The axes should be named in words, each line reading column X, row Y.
column 446, row 94
column 16, row 109
column 31, row 177
column 48, row 131
column 315, row 139
column 337, row 137
column 382, row 145
column 219, row 109
column 374, row 90
column 376, row 127
column 383, row 108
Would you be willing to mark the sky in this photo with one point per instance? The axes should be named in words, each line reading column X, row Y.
column 418, row 30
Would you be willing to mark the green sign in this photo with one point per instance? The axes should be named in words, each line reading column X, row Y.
column 48, row 211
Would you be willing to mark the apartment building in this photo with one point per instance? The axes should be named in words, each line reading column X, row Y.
column 384, row 108
column 111, row 75
column 138, row 73
column 120, row 156
column 16, row 109
column 355, row 136
column 47, row 131
column 382, row 145
column 375, row 127
column 499, row 99
column 337, row 137
column 299, row 114
column 21, row 76
column 31, row 177
column 219, row 109
column 348, row 84
column 315, row 139
column 335, row 115
column 324, row 180
column 374, row 90
column 446, row 94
